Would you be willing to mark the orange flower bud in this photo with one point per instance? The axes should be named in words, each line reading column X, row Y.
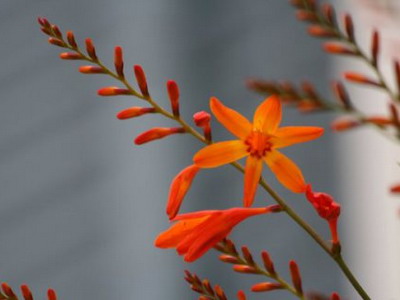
column 380, row 121
column 26, row 292
column 179, row 187
column 395, row 189
column 308, row 16
column 360, row 78
column 342, row 95
column 173, row 93
column 70, row 55
column 119, row 61
column 349, row 27
column 329, row 13
column 375, row 45
column 247, row 255
column 56, row 31
column 342, row 124
column 113, row 91
column 90, row 49
column 8, row 290
column 319, row 31
column 156, row 133
column 228, row 259
column 46, row 31
column 91, row 70
column 266, row 287
column 241, row 295
column 141, row 80
column 135, row 111
column 56, row 42
column 71, row 39
column 268, row 264
column 51, row 294
column 202, row 119
column 296, row 277
column 244, row 269
column 220, row 292
column 335, row 296
column 335, row 48
column 44, row 22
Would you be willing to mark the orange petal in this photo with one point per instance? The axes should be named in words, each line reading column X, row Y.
column 231, row 119
column 268, row 115
column 251, row 177
column 179, row 187
column 220, row 153
column 180, row 230
column 286, row 171
column 287, row 136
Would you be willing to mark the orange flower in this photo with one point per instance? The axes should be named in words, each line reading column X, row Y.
column 195, row 233
column 259, row 142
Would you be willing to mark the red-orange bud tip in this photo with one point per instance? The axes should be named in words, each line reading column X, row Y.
column 335, row 48
column 91, row 70
column 241, row 295
column 112, row 91
column 344, row 124
column 70, row 55
column 141, row 80
column 56, row 42
column 202, row 119
column 359, row 78
column 319, row 31
column 244, row 269
column 71, row 39
column 90, row 49
column 43, row 22
column 296, row 277
column 119, row 61
column 156, row 133
column 51, row 294
column 8, row 290
column 26, row 292
column 380, row 121
column 266, row 287
column 228, row 259
column 335, row 296
column 395, row 189
column 133, row 112
column 173, row 93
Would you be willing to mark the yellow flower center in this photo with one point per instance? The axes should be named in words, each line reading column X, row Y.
column 258, row 144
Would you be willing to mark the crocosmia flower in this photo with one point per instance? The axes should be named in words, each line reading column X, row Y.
column 195, row 233
column 260, row 141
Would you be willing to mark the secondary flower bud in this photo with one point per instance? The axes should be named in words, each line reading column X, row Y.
column 113, row 91
column 173, row 93
column 296, row 277
column 51, row 294
column 335, row 296
column 90, row 49
column 26, row 292
column 70, row 55
column 135, row 111
column 360, row 78
column 268, row 264
column 202, row 119
column 156, row 133
column 342, row 124
column 71, row 39
column 119, row 61
column 56, row 42
column 8, row 290
column 395, row 189
column 322, row 32
column 141, row 80
column 335, row 48
column 241, row 295
column 244, row 269
column 91, row 70
column 266, row 287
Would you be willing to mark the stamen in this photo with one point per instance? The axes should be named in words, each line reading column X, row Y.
column 258, row 144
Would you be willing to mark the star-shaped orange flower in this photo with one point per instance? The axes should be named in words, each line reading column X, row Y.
column 260, row 142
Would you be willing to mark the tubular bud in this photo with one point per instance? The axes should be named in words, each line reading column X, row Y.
column 51, row 294
column 119, row 61
column 156, row 133
column 268, row 264
column 266, row 287
column 26, row 292
column 296, row 277
column 90, row 49
column 202, row 119
column 360, row 78
column 91, row 70
column 342, row 124
column 241, row 295
column 342, row 95
column 70, row 56
column 228, row 259
column 244, row 269
column 247, row 256
column 335, row 296
column 8, row 290
column 322, row 32
column 394, row 115
column 113, row 91
column 380, row 121
column 335, row 48
column 305, row 15
column 220, row 292
column 56, row 42
column 133, row 112
column 71, row 39
column 141, row 80
column 375, row 45
column 349, row 27
column 173, row 93
column 44, row 22
column 329, row 13
column 56, row 31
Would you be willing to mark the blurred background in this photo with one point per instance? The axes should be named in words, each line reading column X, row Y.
column 81, row 205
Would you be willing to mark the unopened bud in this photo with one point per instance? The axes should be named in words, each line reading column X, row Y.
column 133, row 112
column 342, row 95
column 268, row 264
column 91, row 70
column 360, row 78
column 70, row 56
column 173, row 93
column 8, row 290
column 71, row 39
column 141, row 80
column 90, row 49
column 296, row 277
column 241, row 295
column 245, row 269
column 395, row 189
column 202, row 119
column 228, row 259
column 220, row 293
column 322, row 32
column 335, row 296
column 26, row 292
column 157, row 133
column 247, row 255
column 344, row 124
column 329, row 13
column 44, row 22
column 380, row 121
column 119, row 61
column 51, row 294
column 349, row 27
column 305, row 15
column 375, row 45
column 56, row 31
column 266, row 287
column 56, row 42
column 335, row 48
column 113, row 91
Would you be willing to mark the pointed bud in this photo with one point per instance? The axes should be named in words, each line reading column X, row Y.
column 322, row 32
column 380, row 121
column 268, row 264
column 397, row 73
column 395, row 189
column 329, row 13
column 119, row 61
column 113, row 91
column 360, row 78
column 179, row 187
column 8, row 290
column 91, row 70
column 247, row 256
column 206, row 284
column 266, row 287
column 202, row 119
column 342, row 124
column 90, row 49
column 220, row 293
column 56, row 42
column 230, row 247
column 157, row 133
column 229, row 259
column 375, row 45
column 46, row 31
column 335, row 48
column 342, row 95
column 133, row 112
column 296, row 277
column 26, row 292
column 51, row 294
column 245, row 269
column 241, row 295
column 44, row 22
column 56, row 31
column 141, row 80
column 335, row 296
column 173, row 93
column 71, row 39
column 307, row 16
column 70, row 56
column 349, row 27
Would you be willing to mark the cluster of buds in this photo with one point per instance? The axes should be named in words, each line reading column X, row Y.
column 328, row 209
column 7, row 293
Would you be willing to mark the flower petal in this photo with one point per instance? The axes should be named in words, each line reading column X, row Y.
column 287, row 136
column 231, row 119
column 286, row 171
column 179, row 187
column 220, row 153
column 268, row 115
column 251, row 178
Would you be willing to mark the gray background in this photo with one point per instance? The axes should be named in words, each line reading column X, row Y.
column 81, row 205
